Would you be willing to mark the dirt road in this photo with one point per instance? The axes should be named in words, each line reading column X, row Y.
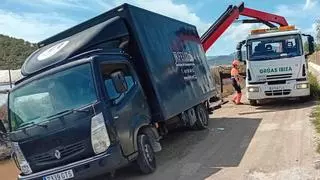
column 8, row 170
column 274, row 141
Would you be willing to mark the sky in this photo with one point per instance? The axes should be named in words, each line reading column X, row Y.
column 35, row 20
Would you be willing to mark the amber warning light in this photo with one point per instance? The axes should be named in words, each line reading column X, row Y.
column 282, row 28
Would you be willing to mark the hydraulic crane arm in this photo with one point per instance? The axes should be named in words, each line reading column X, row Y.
column 230, row 15
column 264, row 16
column 216, row 29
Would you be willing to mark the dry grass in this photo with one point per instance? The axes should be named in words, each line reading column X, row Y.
column 316, row 122
column 314, row 86
column 315, row 92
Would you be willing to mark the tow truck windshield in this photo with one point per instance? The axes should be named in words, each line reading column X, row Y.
column 46, row 97
column 274, row 47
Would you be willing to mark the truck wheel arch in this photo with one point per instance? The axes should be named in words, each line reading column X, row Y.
column 151, row 132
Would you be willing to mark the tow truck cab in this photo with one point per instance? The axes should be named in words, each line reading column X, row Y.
column 276, row 64
column 95, row 97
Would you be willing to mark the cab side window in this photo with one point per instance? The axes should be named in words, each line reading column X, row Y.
column 112, row 93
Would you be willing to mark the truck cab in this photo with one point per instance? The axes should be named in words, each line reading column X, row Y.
column 276, row 64
column 78, row 117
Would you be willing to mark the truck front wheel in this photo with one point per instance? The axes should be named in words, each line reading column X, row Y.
column 202, row 117
column 146, row 158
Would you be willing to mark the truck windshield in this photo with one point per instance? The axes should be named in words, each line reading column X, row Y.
column 41, row 99
column 274, row 47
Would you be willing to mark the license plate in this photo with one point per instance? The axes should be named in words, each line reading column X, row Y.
column 262, row 77
column 273, row 88
column 60, row 176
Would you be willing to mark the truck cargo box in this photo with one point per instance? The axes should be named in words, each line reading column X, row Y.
column 167, row 55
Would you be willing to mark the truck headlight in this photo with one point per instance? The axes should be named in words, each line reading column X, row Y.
column 99, row 136
column 21, row 161
column 253, row 89
column 302, row 86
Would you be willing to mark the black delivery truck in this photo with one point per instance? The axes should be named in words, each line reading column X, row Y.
column 99, row 95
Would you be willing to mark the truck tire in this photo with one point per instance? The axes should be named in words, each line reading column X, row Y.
column 202, row 114
column 146, row 159
column 253, row 102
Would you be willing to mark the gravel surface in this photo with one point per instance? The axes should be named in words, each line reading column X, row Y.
column 273, row 141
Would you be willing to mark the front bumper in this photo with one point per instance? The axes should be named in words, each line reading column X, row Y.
column 86, row 168
column 273, row 91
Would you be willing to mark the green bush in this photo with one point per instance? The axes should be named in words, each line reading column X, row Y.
column 13, row 52
column 314, row 86
column 315, row 92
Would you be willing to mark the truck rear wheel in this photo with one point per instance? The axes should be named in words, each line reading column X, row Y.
column 146, row 159
column 202, row 117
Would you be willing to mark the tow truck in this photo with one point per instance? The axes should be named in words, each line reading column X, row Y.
column 98, row 96
column 276, row 64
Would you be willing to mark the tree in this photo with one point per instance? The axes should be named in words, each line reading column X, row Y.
column 13, row 52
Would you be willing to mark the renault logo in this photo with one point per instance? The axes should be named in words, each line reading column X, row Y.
column 57, row 154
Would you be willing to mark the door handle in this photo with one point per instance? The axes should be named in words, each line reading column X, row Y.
column 116, row 117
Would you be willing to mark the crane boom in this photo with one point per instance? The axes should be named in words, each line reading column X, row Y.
column 230, row 15
column 264, row 16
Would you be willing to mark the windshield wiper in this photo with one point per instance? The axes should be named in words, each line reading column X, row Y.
column 264, row 58
column 65, row 112
column 25, row 125
column 292, row 55
column 33, row 124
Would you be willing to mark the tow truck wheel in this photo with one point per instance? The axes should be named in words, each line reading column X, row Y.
column 202, row 117
column 146, row 158
column 253, row 102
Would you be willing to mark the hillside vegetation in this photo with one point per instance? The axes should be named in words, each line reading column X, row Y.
column 13, row 52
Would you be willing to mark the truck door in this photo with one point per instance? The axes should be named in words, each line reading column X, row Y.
column 126, row 108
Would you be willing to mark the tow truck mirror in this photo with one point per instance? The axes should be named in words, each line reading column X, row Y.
column 311, row 47
column 119, row 81
column 239, row 55
column 311, row 44
column 239, row 51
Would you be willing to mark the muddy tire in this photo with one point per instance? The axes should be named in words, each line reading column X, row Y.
column 202, row 114
column 146, row 159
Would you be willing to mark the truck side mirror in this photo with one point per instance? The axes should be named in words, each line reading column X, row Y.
column 119, row 81
column 311, row 44
column 311, row 47
column 239, row 51
column 239, row 55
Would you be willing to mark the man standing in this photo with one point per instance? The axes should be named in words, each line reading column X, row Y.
column 235, row 77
